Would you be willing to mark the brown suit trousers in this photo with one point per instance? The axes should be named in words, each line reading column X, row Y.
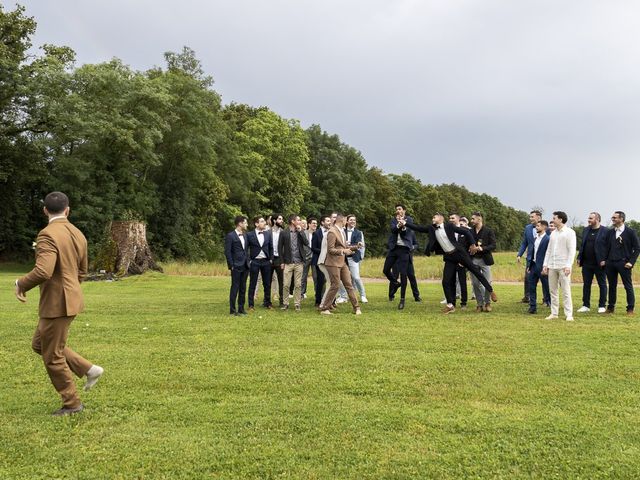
column 336, row 265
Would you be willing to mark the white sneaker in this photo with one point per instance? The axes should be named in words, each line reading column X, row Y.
column 602, row 310
column 304, row 295
column 326, row 312
column 569, row 319
column 551, row 317
column 584, row 309
column 358, row 312
column 443, row 302
column 93, row 375
column 341, row 300
column 363, row 299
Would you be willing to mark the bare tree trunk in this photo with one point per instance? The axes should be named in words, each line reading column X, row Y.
column 134, row 256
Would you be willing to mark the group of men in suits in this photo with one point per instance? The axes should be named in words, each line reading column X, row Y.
column 604, row 253
column 332, row 251
column 456, row 244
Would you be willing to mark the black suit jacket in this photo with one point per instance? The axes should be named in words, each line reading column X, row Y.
column 254, row 245
column 600, row 245
column 488, row 238
column 284, row 246
column 630, row 244
column 237, row 256
column 434, row 246
column 393, row 236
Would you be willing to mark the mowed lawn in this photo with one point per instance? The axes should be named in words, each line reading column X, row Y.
column 190, row 392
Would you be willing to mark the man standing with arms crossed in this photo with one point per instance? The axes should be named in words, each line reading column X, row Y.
column 61, row 264
column 557, row 264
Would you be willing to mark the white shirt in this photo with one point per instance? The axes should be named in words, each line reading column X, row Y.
column 275, row 237
column 349, row 233
column 241, row 237
column 443, row 240
column 323, row 247
column 619, row 231
column 536, row 244
column 57, row 217
column 561, row 251
column 260, row 235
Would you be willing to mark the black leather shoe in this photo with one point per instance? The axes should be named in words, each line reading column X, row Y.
column 418, row 299
column 401, row 304
column 394, row 289
column 532, row 311
column 524, row 300
column 61, row 412
column 391, row 298
column 242, row 313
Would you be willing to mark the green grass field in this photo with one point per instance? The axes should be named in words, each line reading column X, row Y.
column 190, row 392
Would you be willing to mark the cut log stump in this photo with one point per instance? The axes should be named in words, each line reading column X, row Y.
column 133, row 255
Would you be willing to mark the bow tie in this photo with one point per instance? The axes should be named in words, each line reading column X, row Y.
column 437, row 226
column 240, row 235
column 260, row 233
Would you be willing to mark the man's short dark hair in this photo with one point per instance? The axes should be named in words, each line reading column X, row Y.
column 292, row 218
column 544, row 222
column 257, row 219
column 477, row 214
column 537, row 212
column 562, row 216
column 239, row 219
column 400, row 205
column 618, row 212
column 56, row 202
column 597, row 215
column 339, row 216
column 349, row 216
column 323, row 217
column 311, row 219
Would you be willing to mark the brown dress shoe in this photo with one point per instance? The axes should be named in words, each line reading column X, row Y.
column 487, row 308
column 448, row 310
column 630, row 313
column 494, row 297
column 61, row 412
column 479, row 308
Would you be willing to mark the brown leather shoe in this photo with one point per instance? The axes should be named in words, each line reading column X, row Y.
column 630, row 313
column 480, row 308
column 487, row 308
column 61, row 412
column 448, row 310
column 494, row 297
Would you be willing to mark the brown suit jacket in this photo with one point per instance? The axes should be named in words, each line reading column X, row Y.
column 61, row 264
column 336, row 248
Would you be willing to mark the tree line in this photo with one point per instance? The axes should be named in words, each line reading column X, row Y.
column 159, row 146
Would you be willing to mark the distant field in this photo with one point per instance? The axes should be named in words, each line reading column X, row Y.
column 192, row 393
column 506, row 268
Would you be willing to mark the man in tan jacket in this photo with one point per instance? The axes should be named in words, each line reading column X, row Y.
column 336, row 265
column 61, row 264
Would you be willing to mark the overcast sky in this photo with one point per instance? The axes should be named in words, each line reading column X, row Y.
column 534, row 102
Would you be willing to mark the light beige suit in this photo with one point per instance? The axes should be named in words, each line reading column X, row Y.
column 336, row 265
column 61, row 264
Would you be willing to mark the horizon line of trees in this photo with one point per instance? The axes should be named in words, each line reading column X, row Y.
column 160, row 147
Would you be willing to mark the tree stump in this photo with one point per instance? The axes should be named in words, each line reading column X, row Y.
column 133, row 255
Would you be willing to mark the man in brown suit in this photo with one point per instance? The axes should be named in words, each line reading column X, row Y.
column 336, row 265
column 61, row 264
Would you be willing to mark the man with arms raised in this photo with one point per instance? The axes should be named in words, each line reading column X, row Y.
column 61, row 264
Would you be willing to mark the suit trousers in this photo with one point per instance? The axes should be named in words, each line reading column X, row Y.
column 482, row 296
column 557, row 279
column 588, row 272
column 613, row 269
column 318, row 283
column 354, row 268
column 535, row 275
column 397, row 263
column 451, row 261
column 293, row 271
column 50, row 341
column 277, row 280
column 411, row 277
column 336, row 275
column 260, row 267
column 238, row 289
column 305, row 276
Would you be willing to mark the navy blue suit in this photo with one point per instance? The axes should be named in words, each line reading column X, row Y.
column 535, row 273
column 320, row 281
column 260, row 266
column 398, row 257
column 618, row 252
column 593, row 268
column 238, row 262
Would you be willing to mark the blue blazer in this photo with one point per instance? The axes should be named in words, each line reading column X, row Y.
column 356, row 236
column 254, row 245
column 527, row 241
column 393, row 237
column 542, row 251
column 316, row 245
column 601, row 240
column 237, row 256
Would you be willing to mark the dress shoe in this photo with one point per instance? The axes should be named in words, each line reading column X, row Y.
column 93, row 375
column 417, row 299
column 242, row 313
column 488, row 308
column 394, row 289
column 480, row 308
column 524, row 300
column 630, row 313
column 532, row 311
column 584, row 309
column 297, row 308
column 494, row 297
column 449, row 309
column 551, row 317
column 391, row 298
column 61, row 412
column 609, row 311
column 401, row 304
column 284, row 307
